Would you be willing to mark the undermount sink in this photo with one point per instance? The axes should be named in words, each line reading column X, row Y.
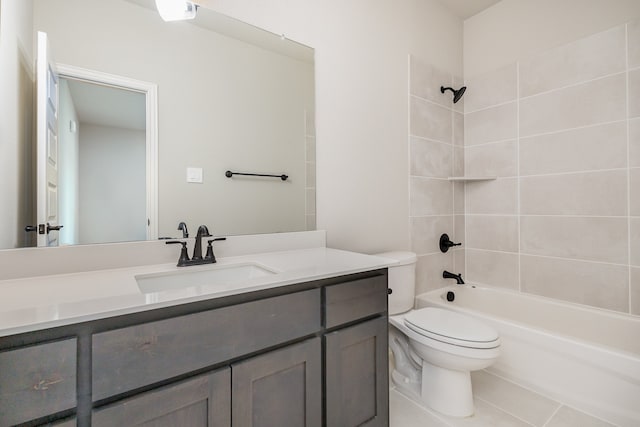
column 218, row 278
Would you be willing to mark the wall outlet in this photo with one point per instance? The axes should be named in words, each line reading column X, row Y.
column 194, row 175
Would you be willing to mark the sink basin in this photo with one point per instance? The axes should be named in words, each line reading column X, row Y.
column 218, row 278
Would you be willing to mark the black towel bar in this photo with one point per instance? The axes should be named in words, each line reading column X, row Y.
column 229, row 174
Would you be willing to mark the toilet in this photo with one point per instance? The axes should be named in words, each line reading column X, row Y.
column 434, row 349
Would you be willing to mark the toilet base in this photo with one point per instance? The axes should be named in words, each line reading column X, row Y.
column 446, row 390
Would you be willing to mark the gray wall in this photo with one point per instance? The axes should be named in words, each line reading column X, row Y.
column 112, row 184
column 16, row 123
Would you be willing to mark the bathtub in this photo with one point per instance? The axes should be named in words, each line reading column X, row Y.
column 584, row 357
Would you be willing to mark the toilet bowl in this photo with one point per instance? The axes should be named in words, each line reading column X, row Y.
column 434, row 349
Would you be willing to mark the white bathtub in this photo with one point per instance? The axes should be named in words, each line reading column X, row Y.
column 584, row 357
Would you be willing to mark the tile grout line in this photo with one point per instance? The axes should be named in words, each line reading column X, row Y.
column 504, row 411
column 551, row 257
column 549, row 91
column 626, row 40
column 519, row 202
column 560, row 405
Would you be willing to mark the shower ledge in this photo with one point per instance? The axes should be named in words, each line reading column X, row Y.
column 472, row 178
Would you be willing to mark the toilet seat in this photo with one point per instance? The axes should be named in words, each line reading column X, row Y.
column 451, row 328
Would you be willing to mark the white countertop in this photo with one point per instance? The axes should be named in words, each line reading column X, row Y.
column 31, row 304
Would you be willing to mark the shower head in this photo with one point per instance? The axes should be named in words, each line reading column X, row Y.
column 457, row 94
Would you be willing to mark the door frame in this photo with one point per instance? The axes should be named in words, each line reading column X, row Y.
column 150, row 90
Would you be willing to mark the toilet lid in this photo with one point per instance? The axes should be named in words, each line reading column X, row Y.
column 449, row 326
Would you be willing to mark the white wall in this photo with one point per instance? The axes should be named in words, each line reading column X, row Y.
column 16, row 122
column 112, row 184
column 68, row 170
column 513, row 30
column 362, row 49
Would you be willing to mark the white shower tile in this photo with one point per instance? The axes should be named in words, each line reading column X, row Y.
column 499, row 159
column 430, row 121
column 568, row 417
column 588, row 58
column 633, row 35
column 458, row 197
column 589, row 193
column 430, row 158
column 585, row 238
column 458, row 129
column 634, row 142
column 425, row 81
column 491, row 125
column 492, row 268
column 458, row 161
column 429, row 270
column 497, row 233
column 634, row 237
column 426, row 232
column 598, row 101
column 635, row 291
column 430, row 196
column 582, row 282
column 634, row 93
column 492, row 88
column 311, row 149
column 634, row 190
column 525, row 404
column 498, row 197
column 591, row 148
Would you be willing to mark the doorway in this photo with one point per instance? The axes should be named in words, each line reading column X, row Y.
column 107, row 158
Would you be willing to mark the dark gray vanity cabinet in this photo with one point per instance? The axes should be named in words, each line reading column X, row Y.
column 279, row 388
column 201, row 401
column 356, row 375
column 311, row 354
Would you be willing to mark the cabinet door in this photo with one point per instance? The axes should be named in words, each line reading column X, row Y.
column 357, row 376
column 280, row 388
column 36, row 381
column 200, row 402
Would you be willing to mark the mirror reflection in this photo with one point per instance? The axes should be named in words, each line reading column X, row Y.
column 229, row 97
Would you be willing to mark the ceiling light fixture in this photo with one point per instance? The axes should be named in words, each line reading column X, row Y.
column 176, row 10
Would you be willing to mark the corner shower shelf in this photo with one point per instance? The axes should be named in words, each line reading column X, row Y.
column 472, row 178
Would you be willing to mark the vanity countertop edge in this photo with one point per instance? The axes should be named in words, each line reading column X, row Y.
column 37, row 303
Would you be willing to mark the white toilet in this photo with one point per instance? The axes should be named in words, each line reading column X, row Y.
column 434, row 349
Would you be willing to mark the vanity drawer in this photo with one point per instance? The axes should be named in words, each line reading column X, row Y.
column 354, row 300
column 128, row 358
column 37, row 381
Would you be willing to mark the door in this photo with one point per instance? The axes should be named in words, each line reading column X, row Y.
column 203, row 401
column 357, row 377
column 280, row 388
column 47, row 146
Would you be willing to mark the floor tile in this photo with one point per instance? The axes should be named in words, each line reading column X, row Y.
column 518, row 401
column 567, row 417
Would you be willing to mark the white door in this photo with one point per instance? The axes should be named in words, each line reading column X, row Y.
column 47, row 145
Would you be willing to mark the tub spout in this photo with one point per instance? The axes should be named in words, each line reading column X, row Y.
column 458, row 277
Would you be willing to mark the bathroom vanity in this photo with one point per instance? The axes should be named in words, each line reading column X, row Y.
column 285, row 351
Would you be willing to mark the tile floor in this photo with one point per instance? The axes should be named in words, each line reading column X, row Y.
column 498, row 403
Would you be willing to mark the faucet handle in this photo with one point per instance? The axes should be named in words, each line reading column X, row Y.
column 210, row 255
column 184, row 255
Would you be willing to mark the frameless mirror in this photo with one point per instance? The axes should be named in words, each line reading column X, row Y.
column 228, row 97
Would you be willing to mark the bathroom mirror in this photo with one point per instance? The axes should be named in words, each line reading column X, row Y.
column 230, row 96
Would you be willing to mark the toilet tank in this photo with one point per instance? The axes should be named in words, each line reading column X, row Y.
column 402, row 281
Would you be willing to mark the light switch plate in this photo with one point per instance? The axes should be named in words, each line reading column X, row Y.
column 194, row 175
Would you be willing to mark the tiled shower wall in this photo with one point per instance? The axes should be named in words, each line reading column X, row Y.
column 561, row 131
column 436, row 149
